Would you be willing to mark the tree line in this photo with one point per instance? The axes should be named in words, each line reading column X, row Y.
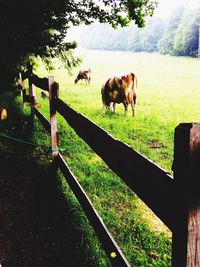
column 176, row 35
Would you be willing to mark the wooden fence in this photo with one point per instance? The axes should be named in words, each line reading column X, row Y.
column 175, row 200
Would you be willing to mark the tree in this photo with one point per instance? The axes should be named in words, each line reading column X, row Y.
column 187, row 36
column 38, row 28
column 131, row 38
column 166, row 43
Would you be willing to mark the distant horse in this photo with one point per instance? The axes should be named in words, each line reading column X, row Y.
column 84, row 75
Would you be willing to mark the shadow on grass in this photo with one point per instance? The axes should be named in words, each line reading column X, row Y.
column 37, row 224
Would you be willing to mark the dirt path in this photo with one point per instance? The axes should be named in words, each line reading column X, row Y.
column 36, row 225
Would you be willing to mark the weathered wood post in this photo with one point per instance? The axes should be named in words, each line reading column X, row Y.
column 186, row 167
column 23, row 89
column 32, row 94
column 53, row 94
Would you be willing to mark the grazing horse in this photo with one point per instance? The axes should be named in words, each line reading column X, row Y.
column 120, row 89
column 84, row 75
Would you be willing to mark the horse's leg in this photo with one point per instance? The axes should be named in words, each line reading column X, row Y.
column 133, row 104
column 125, row 107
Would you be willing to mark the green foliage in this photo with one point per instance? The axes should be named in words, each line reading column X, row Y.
column 176, row 35
column 187, row 36
column 166, row 43
column 102, row 36
column 39, row 28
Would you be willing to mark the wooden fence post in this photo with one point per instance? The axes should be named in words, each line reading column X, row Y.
column 53, row 94
column 186, row 167
column 32, row 94
column 23, row 90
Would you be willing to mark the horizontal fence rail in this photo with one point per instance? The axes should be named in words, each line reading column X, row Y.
column 42, row 119
column 152, row 184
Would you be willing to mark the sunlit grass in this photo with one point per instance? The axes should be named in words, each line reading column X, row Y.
column 168, row 94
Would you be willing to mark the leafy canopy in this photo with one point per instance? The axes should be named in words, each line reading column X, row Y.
column 39, row 27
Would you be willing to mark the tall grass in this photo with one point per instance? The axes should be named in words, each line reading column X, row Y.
column 168, row 94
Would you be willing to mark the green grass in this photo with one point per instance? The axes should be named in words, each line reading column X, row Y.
column 168, row 94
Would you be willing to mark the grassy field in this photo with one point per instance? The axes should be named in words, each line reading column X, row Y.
column 168, row 94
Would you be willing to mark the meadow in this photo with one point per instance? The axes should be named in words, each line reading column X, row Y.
column 168, row 94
